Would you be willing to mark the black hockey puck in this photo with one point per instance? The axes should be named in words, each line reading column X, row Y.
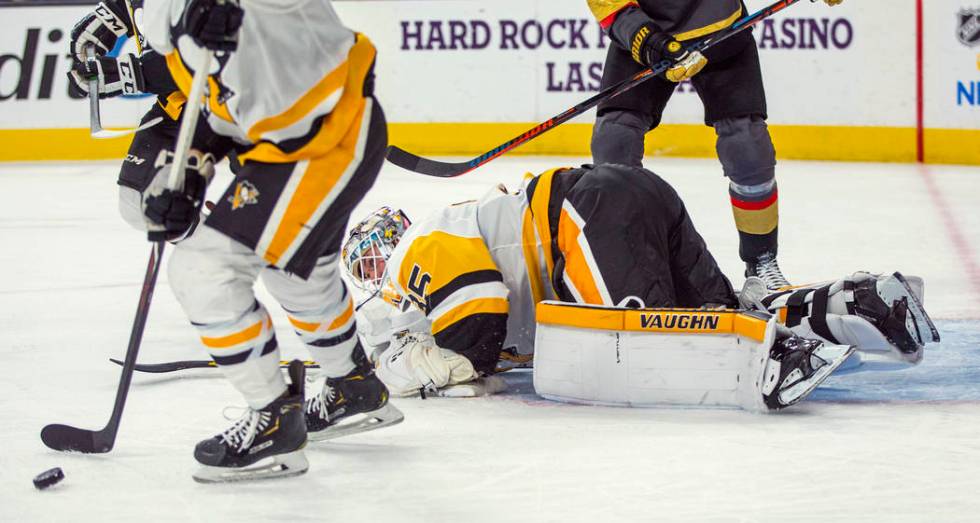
column 48, row 478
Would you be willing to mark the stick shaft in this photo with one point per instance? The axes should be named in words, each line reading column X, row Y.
column 188, row 123
column 95, row 119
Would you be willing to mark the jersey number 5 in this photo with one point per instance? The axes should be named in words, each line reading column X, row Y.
column 417, row 283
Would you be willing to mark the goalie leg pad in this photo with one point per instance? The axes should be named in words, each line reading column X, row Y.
column 878, row 314
column 620, row 357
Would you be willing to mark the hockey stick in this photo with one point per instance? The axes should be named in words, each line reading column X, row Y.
column 411, row 162
column 68, row 438
column 95, row 117
column 174, row 366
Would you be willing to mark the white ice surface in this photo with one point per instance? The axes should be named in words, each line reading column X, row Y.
column 886, row 446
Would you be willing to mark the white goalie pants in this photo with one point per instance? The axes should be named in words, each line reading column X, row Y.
column 213, row 278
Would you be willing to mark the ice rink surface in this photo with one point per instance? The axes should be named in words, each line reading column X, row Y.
column 868, row 446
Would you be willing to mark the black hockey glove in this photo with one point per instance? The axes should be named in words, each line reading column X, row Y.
column 649, row 46
column 116, row 76
column 173, row 215
column 100, row 29
column 213, row 24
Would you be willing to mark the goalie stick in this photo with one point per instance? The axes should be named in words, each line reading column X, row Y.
column 174, row 366
column 68, row 438
column 411, row 162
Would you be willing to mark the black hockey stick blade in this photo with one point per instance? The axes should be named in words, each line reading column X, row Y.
column 417, row 164
column 414, row 163
column 174, row 366
column 73, row 439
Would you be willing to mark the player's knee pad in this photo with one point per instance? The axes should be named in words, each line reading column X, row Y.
column 618, row 137
column 211, row 284
column 879, row 314
column 746, row 151
column 321, row 311
column 674, row 357
column 323, row 288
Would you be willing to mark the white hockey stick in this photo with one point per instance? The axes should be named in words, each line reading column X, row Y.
column 95, row 119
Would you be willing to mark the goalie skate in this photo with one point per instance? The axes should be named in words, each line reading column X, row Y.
column 904, row 301
column 264, row 443
column 796, row 367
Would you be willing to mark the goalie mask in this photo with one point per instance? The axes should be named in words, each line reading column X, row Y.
column 369, row 246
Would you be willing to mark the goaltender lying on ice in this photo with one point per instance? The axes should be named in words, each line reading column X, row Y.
column 599, row 273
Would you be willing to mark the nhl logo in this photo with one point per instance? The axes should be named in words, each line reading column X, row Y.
column 968, row 27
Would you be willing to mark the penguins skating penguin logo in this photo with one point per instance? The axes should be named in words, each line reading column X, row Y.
column 245, row 194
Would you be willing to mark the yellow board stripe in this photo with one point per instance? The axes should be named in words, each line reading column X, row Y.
column 691, row 321
column 231, row 340
column 793, row 142
column 478, row 306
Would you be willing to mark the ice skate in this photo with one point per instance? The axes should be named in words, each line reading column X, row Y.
column 357, row 402
column 796, row 367
column 892, row 305
column 767, row 268
column 263, row 443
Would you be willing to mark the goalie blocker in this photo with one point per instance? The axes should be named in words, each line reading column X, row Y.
column 675, row 357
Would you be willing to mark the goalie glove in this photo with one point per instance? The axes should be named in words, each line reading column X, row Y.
column 166, row 214
column 415, row 364
column 100, row 29
column 116, row 76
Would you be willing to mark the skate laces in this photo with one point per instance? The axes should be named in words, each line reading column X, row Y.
column 768, row 269
column 322, row 401
column 249, row 423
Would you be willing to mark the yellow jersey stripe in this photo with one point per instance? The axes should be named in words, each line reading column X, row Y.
column 453, row 255
column 601, row 9
column 318, row 93
column 319, row 178
column 530, row 246
column 576, row 266
column 539, row 209
column 708, row 29
column 479, row 306
column 337, row 124
column 174, row 104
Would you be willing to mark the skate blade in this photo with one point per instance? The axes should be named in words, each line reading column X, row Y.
column 895, row 287
column 835, row 355
column 279, row 466
column 376, row 419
